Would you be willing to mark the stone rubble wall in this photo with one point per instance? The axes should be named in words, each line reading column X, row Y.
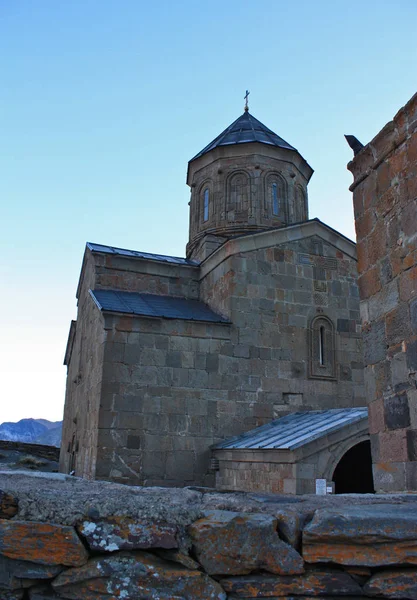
column 385, row 206
column 66, row 538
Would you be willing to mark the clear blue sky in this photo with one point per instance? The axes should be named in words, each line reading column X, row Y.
column 103, row 102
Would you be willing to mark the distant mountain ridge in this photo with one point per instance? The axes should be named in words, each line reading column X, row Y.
column 32, row 431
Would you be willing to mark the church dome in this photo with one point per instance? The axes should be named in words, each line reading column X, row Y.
column 248, row 179
column 244, row 130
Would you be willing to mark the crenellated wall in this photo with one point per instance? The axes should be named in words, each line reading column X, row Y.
column 66, row 538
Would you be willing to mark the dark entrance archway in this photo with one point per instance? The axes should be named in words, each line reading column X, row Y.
column 353, row 474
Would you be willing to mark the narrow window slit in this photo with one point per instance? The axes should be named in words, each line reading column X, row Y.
column 206, row 205
column 321, row 345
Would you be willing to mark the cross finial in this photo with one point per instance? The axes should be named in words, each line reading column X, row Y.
column 246, row 101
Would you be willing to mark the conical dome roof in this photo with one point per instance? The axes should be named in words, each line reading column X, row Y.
column 244, row 130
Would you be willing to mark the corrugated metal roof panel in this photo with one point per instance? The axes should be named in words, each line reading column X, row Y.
column 244, row 130
column 151, row 305
column 134, row 253
column 298, row 429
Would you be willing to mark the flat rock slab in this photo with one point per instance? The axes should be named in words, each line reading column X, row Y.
column 11, row 594
column 398, row 583
column 317, row 582
column 43, row 593
column 363, row 536
column 13, row 573
column 41, row 543
column 9, row 505
column 228, row 543
column 123, row 575
column 125, row 533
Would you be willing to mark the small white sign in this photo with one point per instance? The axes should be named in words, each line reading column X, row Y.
column 321, row 487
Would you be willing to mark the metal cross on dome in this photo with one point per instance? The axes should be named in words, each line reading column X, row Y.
column 246, row 100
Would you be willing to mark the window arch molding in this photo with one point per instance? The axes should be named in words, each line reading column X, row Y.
column 238, row 190
column 276, row 195
column 300, row 206
column 322, row 348
column 205, row 201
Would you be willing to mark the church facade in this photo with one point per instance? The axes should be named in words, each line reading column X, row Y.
column 170, row 358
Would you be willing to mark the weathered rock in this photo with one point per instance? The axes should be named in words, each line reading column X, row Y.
column 125, row 533
column 289, row 526
column 398, row 583
column 363, row 536
column 15, row 574
column 314, row 582
column 43, row 592
column 228, row 543
column 9, row 505
column 41, row 543
column 122, row 575
column 179, row 557
column 11, row 594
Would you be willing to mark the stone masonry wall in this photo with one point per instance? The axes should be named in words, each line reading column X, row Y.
column 64, row 538
column 271, row 296
column 164, row 400
column 385, row 204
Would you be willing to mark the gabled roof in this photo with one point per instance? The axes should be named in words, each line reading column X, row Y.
column 152, row 305
column 134, row 253
column 296, row 430
column 244, row 130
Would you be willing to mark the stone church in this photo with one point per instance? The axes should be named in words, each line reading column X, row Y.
column 238, row 366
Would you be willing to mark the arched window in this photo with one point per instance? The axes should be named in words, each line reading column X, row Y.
column 206, row 197
column 322, row 348
column 238, row 193
column 276, row 196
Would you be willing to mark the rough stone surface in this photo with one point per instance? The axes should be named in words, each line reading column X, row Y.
column 41, row 543
column 227, row 543
column 381, row 535
column 127, row 533
column 123, row 574
column 400, row 583
column 13, row 573
column 8, row 505
column 320, row 582
column 385, row 206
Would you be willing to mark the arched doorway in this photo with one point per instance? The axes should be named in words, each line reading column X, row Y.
column 353, row 474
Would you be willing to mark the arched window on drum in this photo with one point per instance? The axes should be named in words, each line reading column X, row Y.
column 206, row 204
column 276, row 200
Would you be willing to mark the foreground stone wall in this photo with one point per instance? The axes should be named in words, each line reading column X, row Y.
column 63, row 537
column 385, row 204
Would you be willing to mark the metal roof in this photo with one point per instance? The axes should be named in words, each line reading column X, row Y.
column 244, row 130
column 298, row 429
column 134, row 253
column 152, row 305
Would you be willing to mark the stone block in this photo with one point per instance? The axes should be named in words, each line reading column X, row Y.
column 126, row 533
column 374, row 343
column 228, row 543
column 13, row 573
column 123, row 574
column 180, row 466
column 397, row 325
column 314, row 582
column 396, row 411
column 389, row 476
column 346, row 536
column 41, row 543
column 9, row 505
column 393, row 583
